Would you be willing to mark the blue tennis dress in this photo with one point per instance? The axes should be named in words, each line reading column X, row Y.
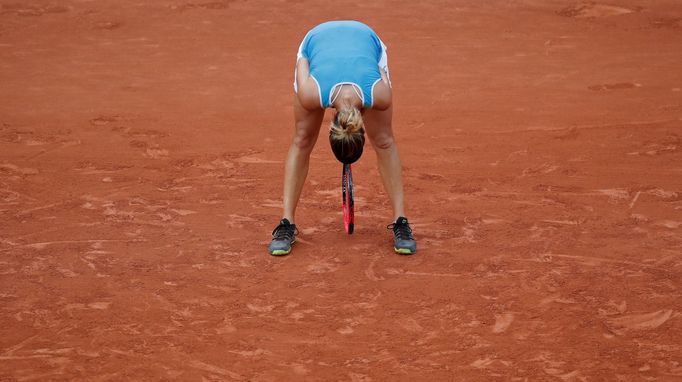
column 343, row 52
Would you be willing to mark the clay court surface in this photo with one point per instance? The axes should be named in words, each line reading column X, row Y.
column 141, row 159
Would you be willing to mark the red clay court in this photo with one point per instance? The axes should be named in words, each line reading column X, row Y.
column 141, row 158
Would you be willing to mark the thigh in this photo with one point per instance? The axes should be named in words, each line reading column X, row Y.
column 379, row 126
column 307, row 122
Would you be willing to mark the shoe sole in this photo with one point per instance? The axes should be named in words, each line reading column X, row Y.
column 404, row 251
column 280, row 252
column 283, row 252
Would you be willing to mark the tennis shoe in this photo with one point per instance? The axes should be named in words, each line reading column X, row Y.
column 403, row 241
column 283, row 237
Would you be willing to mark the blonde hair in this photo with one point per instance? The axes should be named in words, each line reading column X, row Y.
column 347, row 124
column 347, row 135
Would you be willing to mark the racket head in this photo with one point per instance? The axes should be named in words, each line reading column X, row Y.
column 348, row 203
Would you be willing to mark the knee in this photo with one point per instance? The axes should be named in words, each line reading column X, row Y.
column 382, row 141
column 304, row 140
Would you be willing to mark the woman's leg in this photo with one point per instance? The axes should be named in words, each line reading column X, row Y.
column 380, row 132
column 307, row 129
column 378, row 124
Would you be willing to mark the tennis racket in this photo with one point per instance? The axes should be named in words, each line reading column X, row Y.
column 348, row 205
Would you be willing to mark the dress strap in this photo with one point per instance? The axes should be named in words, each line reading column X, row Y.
column 337, row 89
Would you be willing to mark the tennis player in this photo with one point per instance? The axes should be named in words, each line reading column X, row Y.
column 342, row 65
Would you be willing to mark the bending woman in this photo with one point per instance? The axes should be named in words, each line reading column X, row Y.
column 342, row 65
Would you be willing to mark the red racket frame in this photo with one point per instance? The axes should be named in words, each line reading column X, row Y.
column 348, row 204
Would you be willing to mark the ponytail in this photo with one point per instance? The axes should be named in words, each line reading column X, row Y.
column 347, row 135
column 347, row 123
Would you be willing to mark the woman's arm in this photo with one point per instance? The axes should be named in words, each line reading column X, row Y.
column 308, row 93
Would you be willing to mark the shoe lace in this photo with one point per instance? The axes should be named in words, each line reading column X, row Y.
column 284, row 232
column 401, row 230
